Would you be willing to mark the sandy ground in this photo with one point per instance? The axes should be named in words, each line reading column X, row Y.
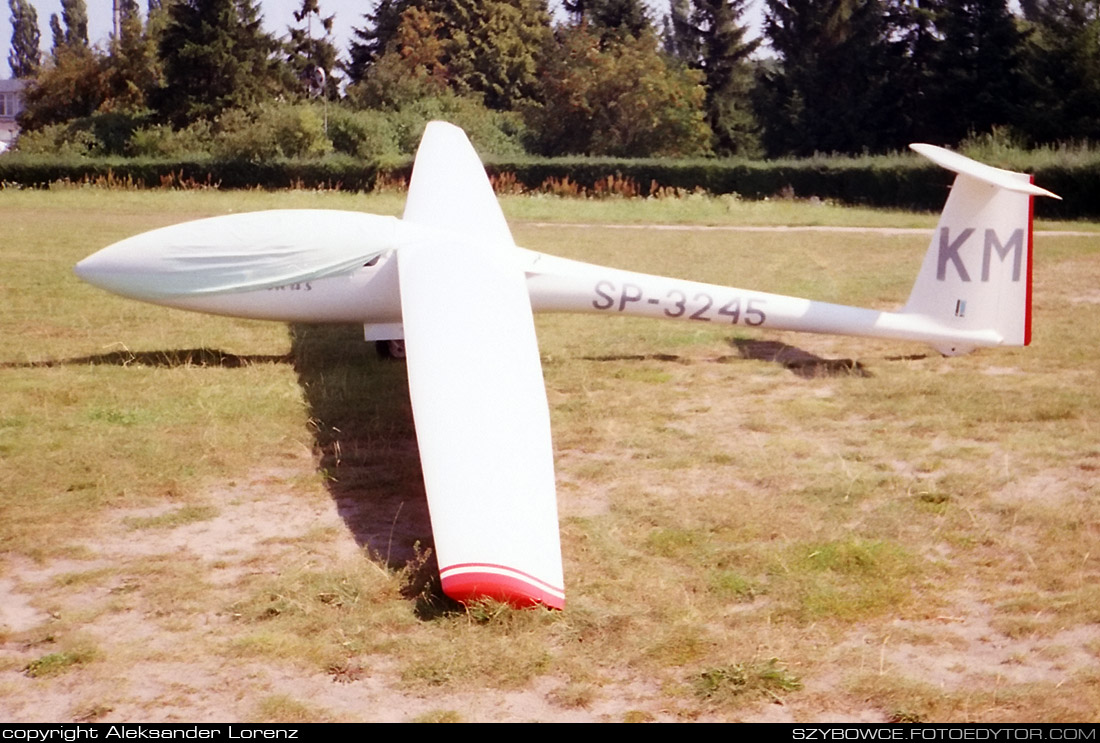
column 261, row 517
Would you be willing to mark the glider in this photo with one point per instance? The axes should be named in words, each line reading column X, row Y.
column 449, row 280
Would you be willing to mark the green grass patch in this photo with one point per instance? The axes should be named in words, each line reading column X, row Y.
column 176, row 517
column 438, row 716
column 63, row 661
column 843, row 579
column 724, row 684
column 286, row 710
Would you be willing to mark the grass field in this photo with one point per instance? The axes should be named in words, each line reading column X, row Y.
column 212, row 519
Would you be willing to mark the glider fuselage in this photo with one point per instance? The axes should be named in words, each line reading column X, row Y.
column 371, row 296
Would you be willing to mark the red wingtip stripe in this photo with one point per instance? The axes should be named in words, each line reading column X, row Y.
column 469, row 582
column 1030, row 254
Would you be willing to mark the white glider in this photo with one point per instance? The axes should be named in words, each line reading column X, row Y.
column 449, row 279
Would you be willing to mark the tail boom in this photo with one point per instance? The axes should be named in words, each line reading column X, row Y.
column 973, row 289
column 562, row 285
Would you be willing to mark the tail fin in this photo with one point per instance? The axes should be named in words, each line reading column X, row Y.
column 976, row 274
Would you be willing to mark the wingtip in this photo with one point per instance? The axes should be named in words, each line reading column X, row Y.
column 443, row 130
column 470, row 583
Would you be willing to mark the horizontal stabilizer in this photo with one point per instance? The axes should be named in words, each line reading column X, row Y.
column 986, row 173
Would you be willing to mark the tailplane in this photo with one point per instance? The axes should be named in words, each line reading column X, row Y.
column 976, row 274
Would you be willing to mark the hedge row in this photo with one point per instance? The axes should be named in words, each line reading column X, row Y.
column 889, row 182
column 333, row 173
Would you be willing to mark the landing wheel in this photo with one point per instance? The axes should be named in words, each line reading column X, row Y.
column 394, row 349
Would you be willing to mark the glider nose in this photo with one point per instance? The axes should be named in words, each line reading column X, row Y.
column 119, row 269
column 100, row 269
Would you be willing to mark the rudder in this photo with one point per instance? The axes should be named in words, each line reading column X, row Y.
column 976, row 274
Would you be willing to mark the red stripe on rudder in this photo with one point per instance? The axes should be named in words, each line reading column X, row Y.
column 1030, row 258
column 472, row 586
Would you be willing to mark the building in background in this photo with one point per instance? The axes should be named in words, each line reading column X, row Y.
column 11, row 103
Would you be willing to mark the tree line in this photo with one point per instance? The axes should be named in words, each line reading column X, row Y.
column 602, row 78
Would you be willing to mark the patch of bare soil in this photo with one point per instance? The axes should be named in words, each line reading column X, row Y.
column 152, row 664
column 17, row 614
column 956, row 650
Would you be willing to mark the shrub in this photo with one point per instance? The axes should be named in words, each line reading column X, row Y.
column 363, row 134
column 62, row 140
column 270, row 131
column 106, row 133
column 492, row 132
column 299, row 130
column 162, row 141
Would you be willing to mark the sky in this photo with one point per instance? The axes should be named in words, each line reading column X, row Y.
column 277, row 16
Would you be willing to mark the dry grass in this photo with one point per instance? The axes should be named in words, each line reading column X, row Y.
column 212, row 519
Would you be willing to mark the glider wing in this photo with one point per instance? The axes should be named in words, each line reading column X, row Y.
column 482, row 423
column 475, row 380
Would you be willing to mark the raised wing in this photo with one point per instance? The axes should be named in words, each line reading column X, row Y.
column 475, row 380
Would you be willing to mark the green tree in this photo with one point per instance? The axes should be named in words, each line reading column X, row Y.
column 25, row 57
column 131, row 70
column 71, row 87
column 711, row 38
column 912, row 23
column 611, row 17
column 494, row 48
column 370, row 41
column 623, row 16
column 95, row 98
column 831, row 89
column 124, row 9
column 978, row 70
column 74, row 14
column 305, row 54
column 681, row 38
column 490, row 49
column 622, row 98
column 413, row 66
column 216, row 56
column 1064, row 66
